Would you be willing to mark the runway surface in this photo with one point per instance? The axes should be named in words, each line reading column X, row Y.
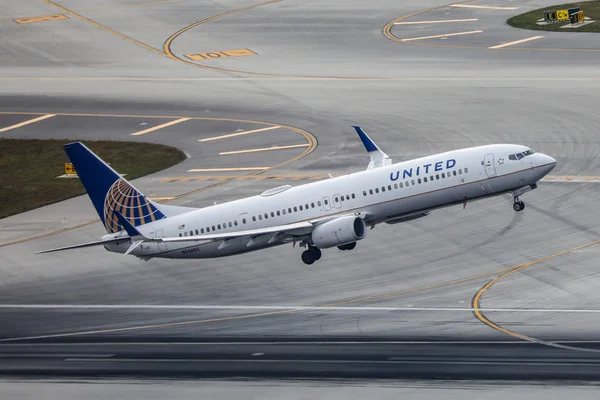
column 263, row 94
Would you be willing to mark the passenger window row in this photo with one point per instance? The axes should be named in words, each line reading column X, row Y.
column 306, row 206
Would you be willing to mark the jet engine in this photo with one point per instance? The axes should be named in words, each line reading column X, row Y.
column 338, row 232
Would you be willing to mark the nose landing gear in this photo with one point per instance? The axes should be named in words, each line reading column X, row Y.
column 518, row 205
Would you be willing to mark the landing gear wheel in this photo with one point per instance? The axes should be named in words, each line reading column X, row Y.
column 308, row 257
column 316, row 253
column 518, row 206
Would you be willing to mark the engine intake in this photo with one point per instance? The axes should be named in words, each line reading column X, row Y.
column 338, row 232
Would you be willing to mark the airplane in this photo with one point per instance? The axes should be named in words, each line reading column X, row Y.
column 334, row 212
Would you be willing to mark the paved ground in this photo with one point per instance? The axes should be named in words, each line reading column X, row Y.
column 312, row 70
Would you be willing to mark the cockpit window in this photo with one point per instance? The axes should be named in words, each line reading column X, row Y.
column 518, row 156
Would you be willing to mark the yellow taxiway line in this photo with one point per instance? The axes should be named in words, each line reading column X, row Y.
column 293, row 146
column 155, row 128
column 30, row 121
column 484, row 7
column 515, row 42
column 440, row 21
column 228, row 169
column 239, row 133
column 441, row 36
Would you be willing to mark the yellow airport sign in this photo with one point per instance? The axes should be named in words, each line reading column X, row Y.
column 43, row 18
column 577, row 17
column 70, row 169
column 220, row 54
column 562, row 15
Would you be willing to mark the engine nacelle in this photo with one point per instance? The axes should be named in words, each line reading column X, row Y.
column 338, row 232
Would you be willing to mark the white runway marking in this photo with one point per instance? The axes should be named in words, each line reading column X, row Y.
column 155, row 128
column 515, row 42
column 440, row 21
column 239, row 134
column 282, row 308
column 31, row 121
column 319, row 342
column 441, row 36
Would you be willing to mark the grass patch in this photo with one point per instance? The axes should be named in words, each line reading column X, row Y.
column 28, row 169
column 591, row 9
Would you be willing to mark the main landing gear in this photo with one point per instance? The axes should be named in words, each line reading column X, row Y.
column 311, row 255
column 518, row 205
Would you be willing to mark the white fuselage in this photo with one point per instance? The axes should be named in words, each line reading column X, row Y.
column 379, row 195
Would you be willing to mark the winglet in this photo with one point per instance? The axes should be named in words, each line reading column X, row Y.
column 369, row 144
column 378, row 157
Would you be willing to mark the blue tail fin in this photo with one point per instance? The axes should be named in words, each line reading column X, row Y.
column 110, row 193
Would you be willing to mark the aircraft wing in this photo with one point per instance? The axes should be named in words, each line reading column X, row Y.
column 378, row 157
column 297, row 229
column 89, row 244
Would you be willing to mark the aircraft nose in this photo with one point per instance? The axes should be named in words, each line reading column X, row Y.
column 547, row 162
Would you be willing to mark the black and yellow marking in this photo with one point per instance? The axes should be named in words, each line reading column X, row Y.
column 220, row 54
column 31, row 20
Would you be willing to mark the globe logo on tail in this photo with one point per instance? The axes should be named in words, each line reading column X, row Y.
column 123, row 199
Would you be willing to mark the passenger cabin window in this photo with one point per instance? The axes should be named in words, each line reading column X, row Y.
column 466, row 170
column 278, row 213
column 319, row 203
column 353, row 196
column 425, row 179
column 243, row 220
column 254, row 218
column 364, row 192
column 272, row 214
column 371, row 191
column 197, row 232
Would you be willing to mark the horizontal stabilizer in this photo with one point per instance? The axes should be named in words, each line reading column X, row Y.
column 378, row 157
column 90, row 244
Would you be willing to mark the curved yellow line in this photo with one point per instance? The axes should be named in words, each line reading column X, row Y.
column 387, row 32
column 477, row 298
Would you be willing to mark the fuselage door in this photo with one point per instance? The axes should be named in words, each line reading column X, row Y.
column 490, row 169
column 326, row 204
column 337, row 201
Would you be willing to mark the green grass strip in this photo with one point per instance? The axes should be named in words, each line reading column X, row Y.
column 591, row 9
column 29, row 169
